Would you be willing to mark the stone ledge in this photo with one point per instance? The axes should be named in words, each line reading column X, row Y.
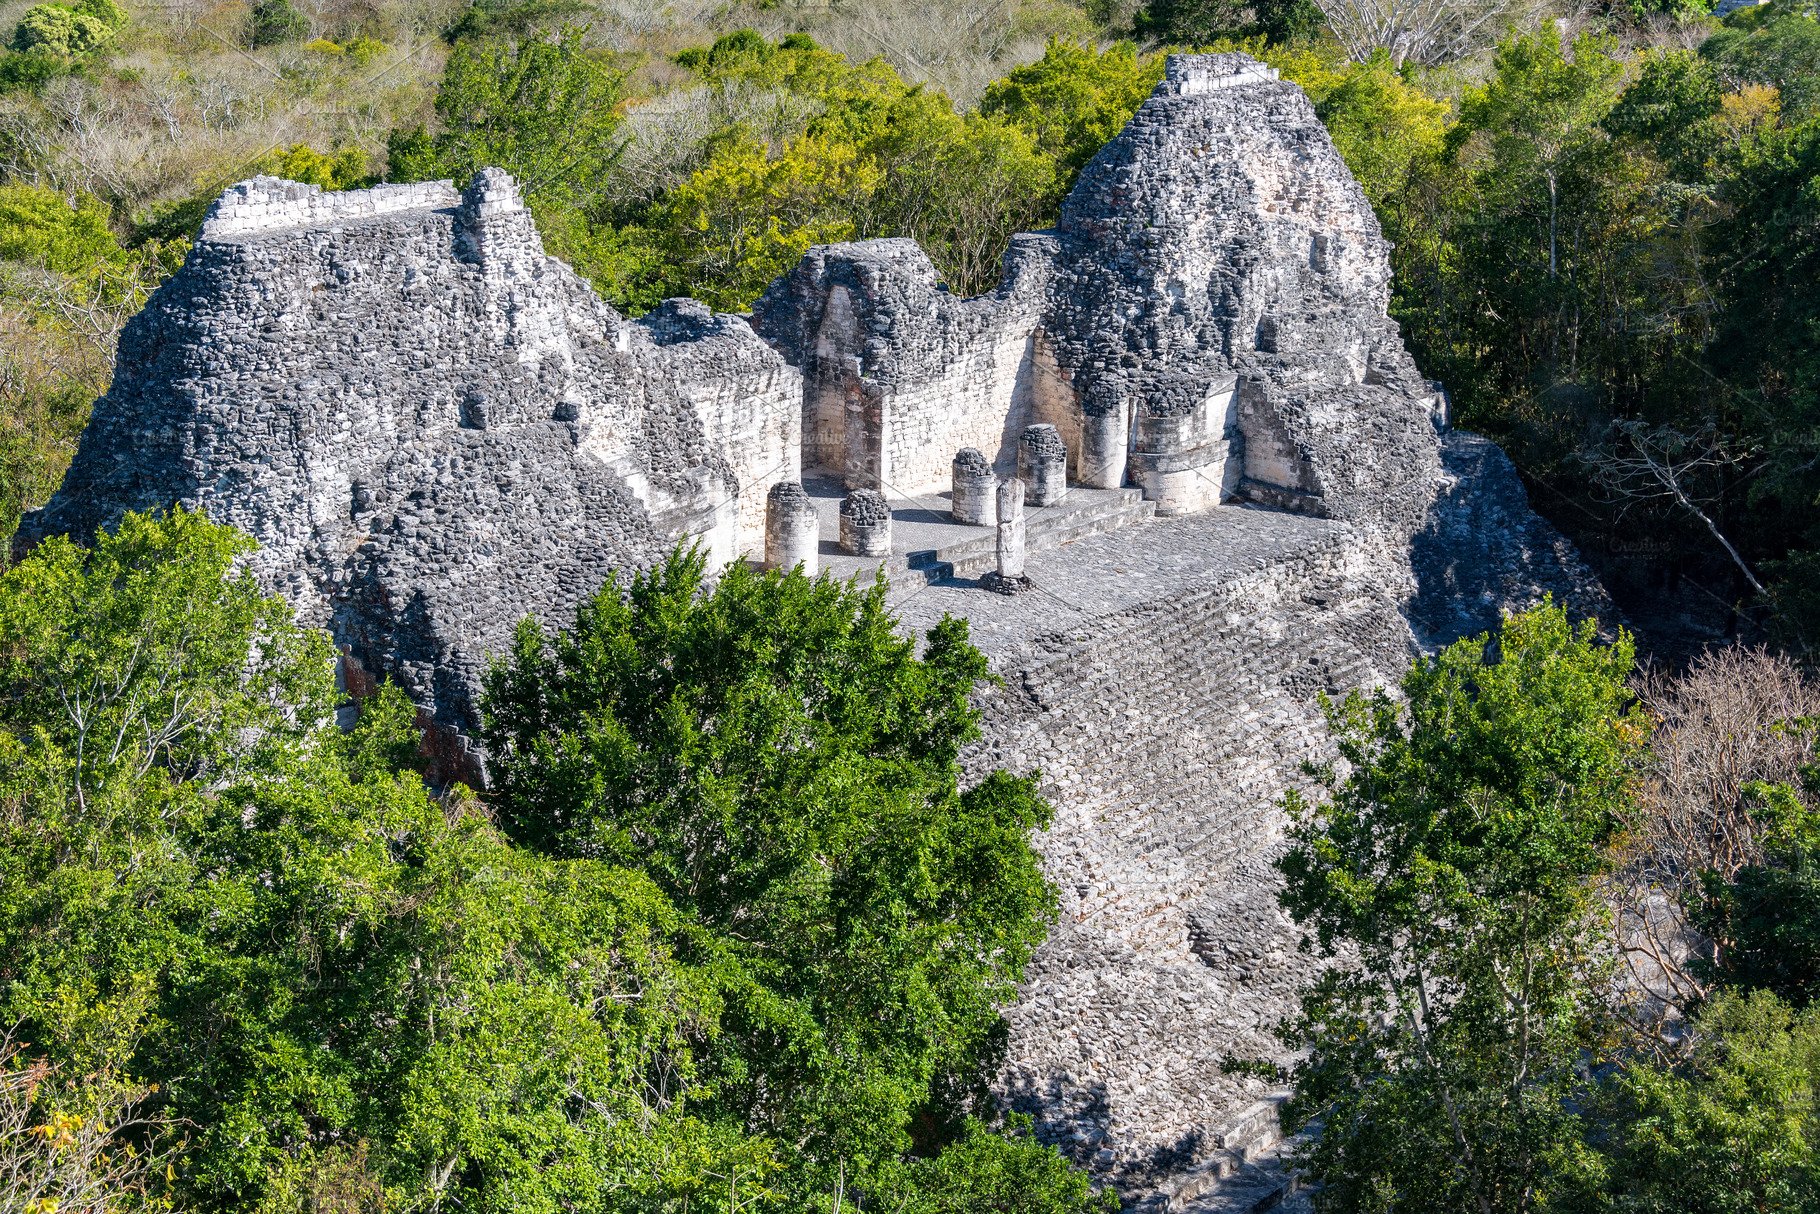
column 1192, row 75
column 271, row 204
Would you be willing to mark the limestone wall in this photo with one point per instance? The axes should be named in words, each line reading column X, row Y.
column 430, row 427
column 267, row 204
column 748, row 404
column 898, row 373
column 981, row 400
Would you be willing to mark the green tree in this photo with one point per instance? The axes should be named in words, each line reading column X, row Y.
column 1669, row 106
column 784, row 766
column 1775, row 44
column 1387, row 130
column 867, row 155
column 68, row 30
column 987, row 1173
column 1193, row 21
column 1524, row 129
column 1452, row 861
column 1766, row 350
column 66, row 285
column 747, row 216
column 343, row 169
column 544, row 108
column 1733, row 1131
column 1288, row 22
column 1551, row 272
column 273, row 22
column 335, row 979
column 1766, row 923
column 1072, row 100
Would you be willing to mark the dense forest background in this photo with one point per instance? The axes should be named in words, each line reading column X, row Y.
column 1604, row 216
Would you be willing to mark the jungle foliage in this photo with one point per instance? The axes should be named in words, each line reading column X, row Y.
column 728, row 936
column 1465, row 1055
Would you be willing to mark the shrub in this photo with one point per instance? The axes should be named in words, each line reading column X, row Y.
column 56, row 30
column 275, row 21
column 29, row 71
column 345, row 169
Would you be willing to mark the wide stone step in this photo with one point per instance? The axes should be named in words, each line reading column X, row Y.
column 1045, row 527
column 1248, row 1174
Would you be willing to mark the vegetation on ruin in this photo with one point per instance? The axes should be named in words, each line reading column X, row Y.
column 718, row 943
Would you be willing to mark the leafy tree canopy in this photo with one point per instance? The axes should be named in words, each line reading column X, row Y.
column 1451, row 860
column 1074, row 99
column 725, row 975
column 784, row 766
column 1730, row 1132
column 1774, row 44
column 545, row 108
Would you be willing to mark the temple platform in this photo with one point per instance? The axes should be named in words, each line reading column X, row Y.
column 927, row 545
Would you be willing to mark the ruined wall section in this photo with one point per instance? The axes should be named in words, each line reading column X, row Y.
column 1219, row 260
column 899, row 373
column 1207, row 322
column 747, row 401
column 430, row 427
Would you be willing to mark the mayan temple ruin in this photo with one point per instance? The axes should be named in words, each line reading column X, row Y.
column 1183, row 427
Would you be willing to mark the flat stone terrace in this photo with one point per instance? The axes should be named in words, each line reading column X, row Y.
column 928, row 545
column 1163, row 680
column 1156, row 561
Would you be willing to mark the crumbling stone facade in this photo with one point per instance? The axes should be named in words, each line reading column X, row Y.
column 433, row 429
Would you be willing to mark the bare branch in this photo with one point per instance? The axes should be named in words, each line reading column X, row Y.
column 1643, row 462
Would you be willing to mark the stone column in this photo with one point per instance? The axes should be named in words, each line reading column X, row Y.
column 793, row 532
column 868, row 457
column 1011, row 530
column 865, row 523
column 1042, row 460
column 1105, row 446
column 975, row 488
column 1179, row 453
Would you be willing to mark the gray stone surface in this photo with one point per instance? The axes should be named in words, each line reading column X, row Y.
column 1009, row 552
column 792, row 529
column 430, row 427
column 1480, row 548
column 433, row 429
column 974, row 498
column 1042, row 464
column 865, row 523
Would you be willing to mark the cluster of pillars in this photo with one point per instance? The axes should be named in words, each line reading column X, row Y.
column 983, row 500
column 793, row 533
column 980, row 498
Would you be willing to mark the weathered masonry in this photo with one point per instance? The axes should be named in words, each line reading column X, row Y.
column 1183, row 424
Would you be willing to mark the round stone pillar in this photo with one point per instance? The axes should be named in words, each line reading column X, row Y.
column 1042, row 460
column 1105, row 445
column 793, row 532
column 975, row 489
column 865, row 523
column 1011, row 530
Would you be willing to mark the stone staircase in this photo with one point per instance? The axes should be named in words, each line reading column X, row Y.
column 1248, row 1174
column 1045, row 527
